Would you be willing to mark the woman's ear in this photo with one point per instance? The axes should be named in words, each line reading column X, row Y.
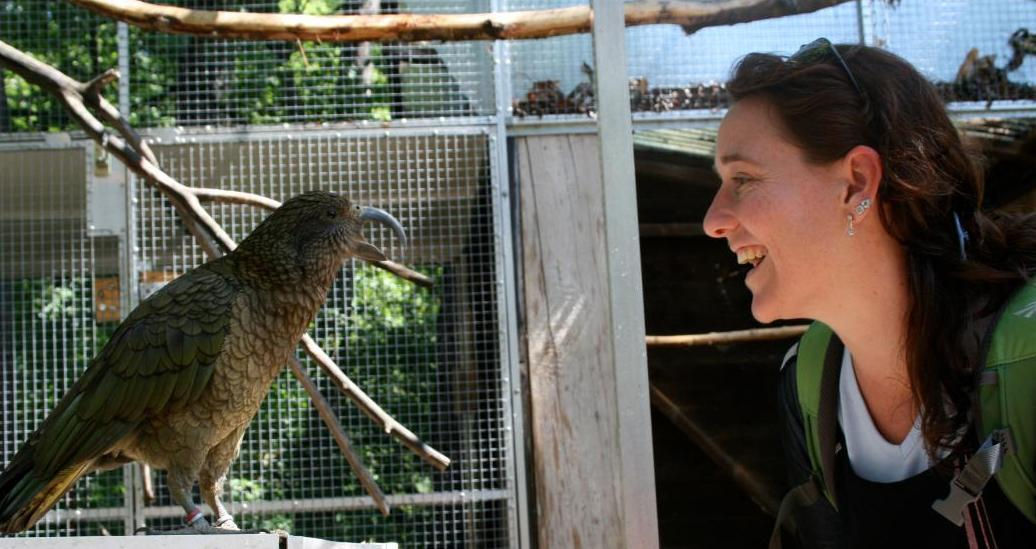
column 864, row 177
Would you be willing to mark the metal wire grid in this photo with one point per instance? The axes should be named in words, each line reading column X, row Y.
column 542, row 67
column 668, row 69
column 951, row 29
column 185, row 80
column 707, row 55
column 430, row 358
column 48, row 323
column 74, row 40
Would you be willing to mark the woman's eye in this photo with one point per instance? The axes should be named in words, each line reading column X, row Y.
column 741, row 183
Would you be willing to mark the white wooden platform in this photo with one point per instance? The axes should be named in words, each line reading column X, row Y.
column 217, row 541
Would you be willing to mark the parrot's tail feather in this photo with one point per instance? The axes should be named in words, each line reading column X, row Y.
column 27, row 498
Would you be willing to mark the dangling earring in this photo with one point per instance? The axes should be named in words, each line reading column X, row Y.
column 860, row 208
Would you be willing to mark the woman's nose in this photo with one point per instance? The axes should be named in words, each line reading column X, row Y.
column 719, row 220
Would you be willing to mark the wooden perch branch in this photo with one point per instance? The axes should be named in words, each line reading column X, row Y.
column 326, row 414
column 371, row 408
column 129, row 148
column 515, row 25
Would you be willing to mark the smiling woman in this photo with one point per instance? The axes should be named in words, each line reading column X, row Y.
column 847, row 189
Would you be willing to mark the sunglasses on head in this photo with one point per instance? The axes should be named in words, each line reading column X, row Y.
column 818, row 50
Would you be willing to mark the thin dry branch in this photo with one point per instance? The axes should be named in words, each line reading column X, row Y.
column 722, row 338
column 371, row 408
column 514, row 25
column 326, row 414
column 206, row 230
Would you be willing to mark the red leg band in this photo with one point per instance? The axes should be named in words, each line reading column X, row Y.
column 192, row 516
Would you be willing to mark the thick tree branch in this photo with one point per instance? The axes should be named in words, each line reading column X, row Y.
column 210, row 235
column 514, row 25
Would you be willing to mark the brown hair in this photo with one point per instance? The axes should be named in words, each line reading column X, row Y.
column 928, row 177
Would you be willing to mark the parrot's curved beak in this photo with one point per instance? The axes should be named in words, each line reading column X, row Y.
column 377, row 215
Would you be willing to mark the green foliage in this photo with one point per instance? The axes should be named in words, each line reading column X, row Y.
column 243, row 489
column 309, row 7
column 46, row 30
column 385, row 305
column 277, row 522
column 150, row 105
column 105, row 489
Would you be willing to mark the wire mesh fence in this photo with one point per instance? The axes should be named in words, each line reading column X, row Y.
column 431, row 358
column 51, row 273
column 974, row 51
column 177, row 80
column 189, row 81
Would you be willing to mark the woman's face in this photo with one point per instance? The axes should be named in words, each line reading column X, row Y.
column 779, row 214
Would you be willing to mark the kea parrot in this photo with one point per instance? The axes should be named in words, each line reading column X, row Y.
column 181, row 378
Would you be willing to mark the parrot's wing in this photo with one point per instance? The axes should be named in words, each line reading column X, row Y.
column 158, row 360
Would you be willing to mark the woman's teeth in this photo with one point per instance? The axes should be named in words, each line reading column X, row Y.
column 752, row 254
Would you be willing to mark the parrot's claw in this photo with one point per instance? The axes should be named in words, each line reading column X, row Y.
column 226, row 522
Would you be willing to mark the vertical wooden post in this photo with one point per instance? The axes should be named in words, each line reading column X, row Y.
column 584, row 322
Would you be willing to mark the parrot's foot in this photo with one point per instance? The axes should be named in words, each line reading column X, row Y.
column 199, row 525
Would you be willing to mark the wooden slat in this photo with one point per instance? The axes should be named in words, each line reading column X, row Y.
column 572, row 402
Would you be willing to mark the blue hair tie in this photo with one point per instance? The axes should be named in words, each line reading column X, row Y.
column 962, row 236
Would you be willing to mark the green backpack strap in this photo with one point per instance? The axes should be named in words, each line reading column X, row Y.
column 1007, row 397
column 818, row 368
column 816, row 378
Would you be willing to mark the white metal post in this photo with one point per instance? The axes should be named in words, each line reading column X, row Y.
column 507, row 296
column 636, row 481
